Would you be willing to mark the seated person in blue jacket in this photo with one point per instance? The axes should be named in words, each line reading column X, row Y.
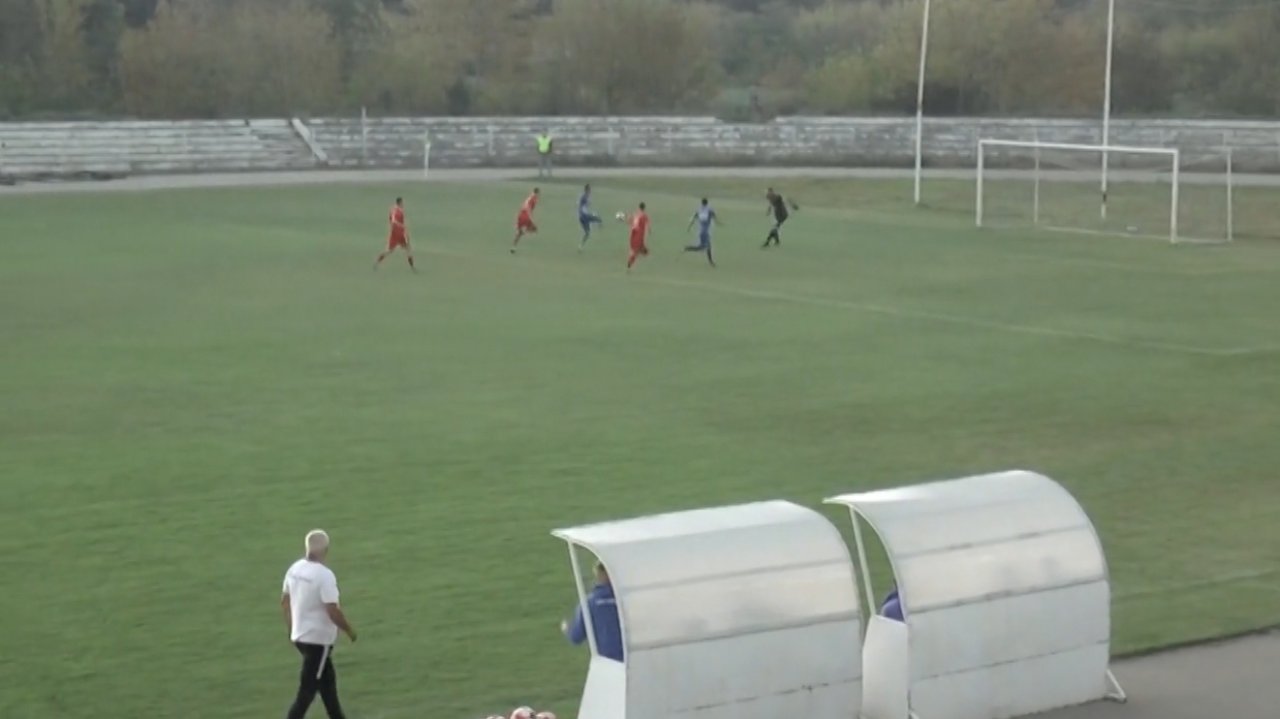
column 604, row 618
column 892, row 607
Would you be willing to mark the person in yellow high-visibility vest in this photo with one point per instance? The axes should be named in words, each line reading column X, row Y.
column 544, row 154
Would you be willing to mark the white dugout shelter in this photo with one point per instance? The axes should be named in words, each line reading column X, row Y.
column 1005, row 596
column 741, row 612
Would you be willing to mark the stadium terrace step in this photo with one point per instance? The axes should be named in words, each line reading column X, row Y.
column 71, row 148
column 668, row 141
column 79, row 149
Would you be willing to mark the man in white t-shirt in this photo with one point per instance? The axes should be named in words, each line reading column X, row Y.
column 312, row 614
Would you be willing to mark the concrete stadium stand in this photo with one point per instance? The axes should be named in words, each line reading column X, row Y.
column 64, row 150
column 112, row 149
column 794, row 142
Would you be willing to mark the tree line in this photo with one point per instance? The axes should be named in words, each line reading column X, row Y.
column 734, row 58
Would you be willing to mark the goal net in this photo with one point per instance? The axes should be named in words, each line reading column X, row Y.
column 1147, row 191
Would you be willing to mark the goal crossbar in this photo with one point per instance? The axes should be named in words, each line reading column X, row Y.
column 1173, row 154
column 1031, row 145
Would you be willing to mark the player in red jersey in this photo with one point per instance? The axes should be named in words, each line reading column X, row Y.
column 639, row 236
column 399, row 235
column 524, row 220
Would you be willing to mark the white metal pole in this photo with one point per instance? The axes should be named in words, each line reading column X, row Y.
column 1106, row 104
column 981, row 173
column 1118, row 693
column 426, row 153
column 1035, row 199
column 364, row 136
column 582, row 598
column 1231, row 196
column 862, row 561
column 1173, row 212
column 924, row 57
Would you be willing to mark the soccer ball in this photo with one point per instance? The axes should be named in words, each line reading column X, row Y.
column 621, row 216
column 544, row 715
column 522, row 713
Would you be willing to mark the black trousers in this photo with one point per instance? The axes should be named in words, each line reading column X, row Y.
column 317, row 675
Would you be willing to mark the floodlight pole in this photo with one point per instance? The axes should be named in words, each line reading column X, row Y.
column 1231, row 200
column 1106, row 104
column 364, row 136
column 862, row 562
column 584, row 603
column 426, row 154
column 924, row 57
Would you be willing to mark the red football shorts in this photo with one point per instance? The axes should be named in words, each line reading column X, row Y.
column 524, row 223
column 397, row 239
column 637, row 245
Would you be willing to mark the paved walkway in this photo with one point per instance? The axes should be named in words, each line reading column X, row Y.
column 1239, row 679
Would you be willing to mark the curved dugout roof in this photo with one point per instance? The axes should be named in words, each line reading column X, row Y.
column 977, row 538
column 690, row 576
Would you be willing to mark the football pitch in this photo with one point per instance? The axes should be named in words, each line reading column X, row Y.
column 192, row 379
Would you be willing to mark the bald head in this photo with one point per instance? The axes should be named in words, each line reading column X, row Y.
column 317, row 544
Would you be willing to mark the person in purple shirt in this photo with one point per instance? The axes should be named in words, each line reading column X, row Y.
column 892, row 607
column 604, row 619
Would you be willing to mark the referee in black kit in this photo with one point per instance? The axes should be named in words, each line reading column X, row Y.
column 777, row 208
column 311, row 611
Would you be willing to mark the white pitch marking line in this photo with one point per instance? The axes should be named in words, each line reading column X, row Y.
column 1199, row 584
column 949, row 319
column 889, row 311
column 1172, row 272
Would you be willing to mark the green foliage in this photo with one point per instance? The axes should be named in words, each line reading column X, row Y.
column 844, row 83
column 463, row 57
column 241, row 59
column 1231, row 65
column 63, row 69
column 21, row 33
column 354, row 24
column 102, row 23
column 411, row 69
column 16, row 90
column 624, row 56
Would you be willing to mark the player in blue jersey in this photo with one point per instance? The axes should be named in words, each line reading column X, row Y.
column 586, row 217
column 704, row 216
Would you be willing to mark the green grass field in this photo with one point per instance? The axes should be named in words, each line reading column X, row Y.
column 193, row 379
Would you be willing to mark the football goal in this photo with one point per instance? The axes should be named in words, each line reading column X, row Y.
column 1056, row 186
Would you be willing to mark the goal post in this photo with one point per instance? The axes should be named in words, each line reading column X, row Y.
column 426, row 154
column 1051, row 185
column 1231, row 194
